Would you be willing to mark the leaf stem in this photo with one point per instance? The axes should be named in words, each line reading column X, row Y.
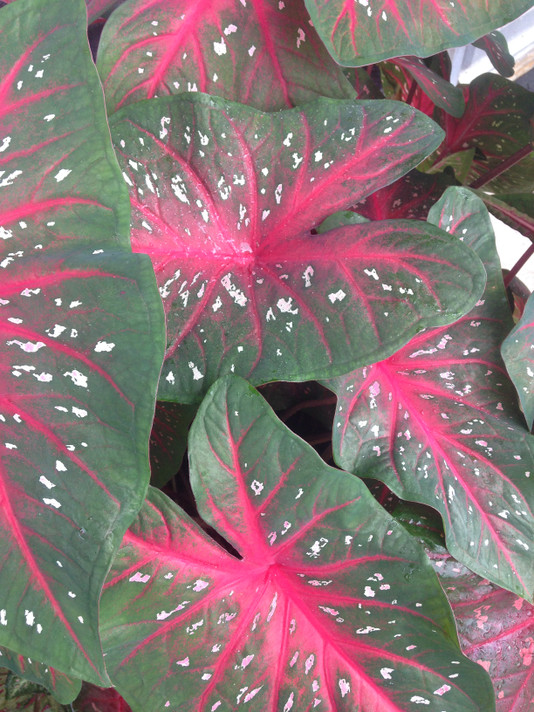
column 520, row 263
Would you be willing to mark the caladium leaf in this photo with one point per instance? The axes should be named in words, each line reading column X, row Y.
column 224, row 198
column 79, row 358
column 264, row 53
column 315, row 612
column 59, row 178
column 518, row 354
column 441, row 92
column 437, row 422
column 496, row 629
column 495, row 46
column 80, row 349
column 63, row 688
column 410, row 197
column 497, row 124
column 363, row 32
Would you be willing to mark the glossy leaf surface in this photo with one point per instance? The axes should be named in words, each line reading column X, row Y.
column 518, row 354
column 437, row 422
column 317, row 610
column 262, row 53
column 363, row 32
column 80, row 344
column 223, row 200
column 496, row 630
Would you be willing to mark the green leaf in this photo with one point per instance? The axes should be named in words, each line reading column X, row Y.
column 518, row 354
column 330, row 602
column 364, row 32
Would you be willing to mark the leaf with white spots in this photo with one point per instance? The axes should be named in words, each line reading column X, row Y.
column 437, row 422
column 496, row 630
column 64, row 689
column 496, row 124
column 315, row 612
column 227, row 215
column 59, row 179
column 359, row 32
column 74, row 423
column 81, row 340
column 518, row 355
column 263, row 53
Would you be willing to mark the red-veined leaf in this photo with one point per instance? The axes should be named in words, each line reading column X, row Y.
column 496, row 630
column 518, row 354
column 264, row 53
column 58, row 173
column 497, row 124
column 441, row 92
column 317, row 612
column 80, row 349
column 367, row 31
column 63, row 688
column 410, row 197
column 78, row 364
column 223, row 200
column 495, row 46
column 437, row 422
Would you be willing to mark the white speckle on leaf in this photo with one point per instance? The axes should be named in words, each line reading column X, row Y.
column 46, row 482
column 104, row 346
column 139, row 577
column 386, row 672
column 337, row 296
column 184, row 662
column 77, row 378
column 220, row 47
column 418, row 700
column 344, row 687
column 197, row 375
column 30, row 617
column 284, row 305
column 62, row 174
column 52, row 502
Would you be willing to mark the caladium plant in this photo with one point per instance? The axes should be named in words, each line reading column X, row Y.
column 215, row 203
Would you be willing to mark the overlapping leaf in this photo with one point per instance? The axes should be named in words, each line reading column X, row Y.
column 441, row 92
column 518, row 354
column 58, row 173
column 367, row 31
column 223, row 200
column 80, row 343
column 263, row 53
column 437, row 422
column 495, row 46
column 496, row 124
column 496, row 630
column 317, row 610
column 63, row 688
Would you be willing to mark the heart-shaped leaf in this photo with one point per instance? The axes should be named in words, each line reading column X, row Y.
column 518, row 354
column 63, row 688
column 363, row 32
column 437, row 422
column 316, row 611
column 264, row 53
column 496, row 630
column 80, row 349
column 223, row 200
